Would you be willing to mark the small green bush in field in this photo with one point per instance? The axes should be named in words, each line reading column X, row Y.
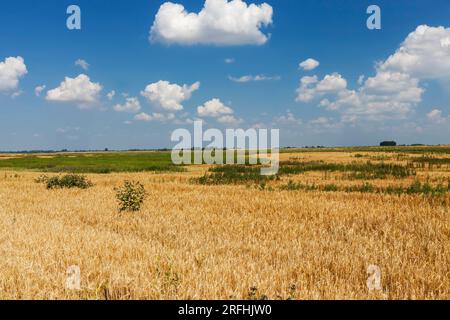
column 130, row 196
column 67, row 181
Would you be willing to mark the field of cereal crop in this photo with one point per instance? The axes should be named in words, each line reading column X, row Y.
column 211, row 232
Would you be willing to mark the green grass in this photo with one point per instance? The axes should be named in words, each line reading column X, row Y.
column 161, row 161
column 234, row 174
column 431, row 160
column 94, row 162
column 245, row 174
column 416, row 188
column 362, row 171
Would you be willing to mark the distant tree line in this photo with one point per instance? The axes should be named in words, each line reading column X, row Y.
column 388, row 144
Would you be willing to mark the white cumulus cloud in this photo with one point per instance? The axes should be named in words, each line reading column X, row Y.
column 143, row 117
column 38, row 90
column 309, row 64
column 80, row 90
column 311, row 87
column 11, row 70
column 288, row 119
column 435, row 116
column 155, row 116
column 220, row 22
column 214, row 108
column 395, row 89
column 110, row 95
column 169, row 96
column 425, row 53
column 384, row 96
column 229, row 120
column 131, row 105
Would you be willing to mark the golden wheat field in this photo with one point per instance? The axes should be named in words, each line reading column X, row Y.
column 193, row 241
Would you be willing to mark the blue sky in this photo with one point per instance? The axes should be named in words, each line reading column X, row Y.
column 405, row 98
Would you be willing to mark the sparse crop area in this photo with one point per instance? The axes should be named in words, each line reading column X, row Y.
column 139, row 227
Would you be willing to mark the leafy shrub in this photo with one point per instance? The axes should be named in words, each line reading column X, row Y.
column 130, row 196
column 67, row 181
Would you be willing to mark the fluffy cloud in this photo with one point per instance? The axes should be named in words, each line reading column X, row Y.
column 425, row 53
column 306, row 92
column 79, row 90
column 229, row 60
column 154, row 117
column 394, row 91
column 131, row 105
column 38, row 90
column 82, row 64
column 249, row 78
column 435, row 116
column 229, row 120
column 384, row 96
column 169, row 96
column 311, row 87
column 111, row 95
column 288, row 119
column 220, row 22
column 394, row 86
column 214, row 108
column 11, row 70
column 331, row 83
column 309, row 64
column 143, row 117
